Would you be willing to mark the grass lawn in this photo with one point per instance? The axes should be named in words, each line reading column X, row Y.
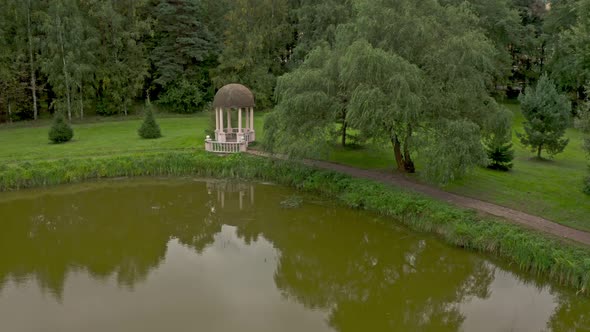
column 551, row 188
column 104, row 137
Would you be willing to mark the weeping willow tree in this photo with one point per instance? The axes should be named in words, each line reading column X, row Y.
column 312, row 100
column 413, row 74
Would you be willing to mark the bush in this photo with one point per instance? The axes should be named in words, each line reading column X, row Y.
column 60, row 131
column 183, row 97
column 587, row 186
column 149, row 128
column 104, row 108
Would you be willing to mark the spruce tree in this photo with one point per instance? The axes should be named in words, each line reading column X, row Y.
column 149, row 128
column 500, row 155
column 547, row 115
column 498, row 145
column 60, row 131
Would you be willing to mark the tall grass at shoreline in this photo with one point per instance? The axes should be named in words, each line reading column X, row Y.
column 564, row 262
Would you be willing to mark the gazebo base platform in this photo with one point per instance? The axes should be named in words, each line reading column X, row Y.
column 226, row 147
column 230, row 141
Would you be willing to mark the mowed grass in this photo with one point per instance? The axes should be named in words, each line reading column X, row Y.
column 29, row 143
column 549, row 188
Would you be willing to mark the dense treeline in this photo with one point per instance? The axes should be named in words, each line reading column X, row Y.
column 422, row 76
column 95, row 56
column 425, row 76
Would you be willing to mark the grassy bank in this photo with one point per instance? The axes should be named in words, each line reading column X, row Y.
column 549, row 188
column 565, row 263
column 110, row 137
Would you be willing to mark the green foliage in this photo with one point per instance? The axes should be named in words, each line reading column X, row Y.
column 183, row 96
column 310, row 100
column 60, row 131
column 547, row 115
column 587, row 185
column 425, row 91
column 316, row 23
column 149, row 128
column 256, row 47
column 184, row 47
column 501, row 22
column 501, row 156
column 570, row 54
column 182, row 39
column 564, row 262
column 105, row 108
column 68, row 46
column 584, row 125
column 498, row 145
column 121, row 62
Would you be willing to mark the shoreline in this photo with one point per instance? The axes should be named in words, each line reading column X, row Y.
column 562, row 261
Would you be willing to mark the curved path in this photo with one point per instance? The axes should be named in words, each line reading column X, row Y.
column 398, row 180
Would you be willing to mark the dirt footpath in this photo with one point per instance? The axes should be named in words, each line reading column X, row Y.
column 518, row 217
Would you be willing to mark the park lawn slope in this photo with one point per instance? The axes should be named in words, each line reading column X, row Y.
column 551, row 188
column 30, row 143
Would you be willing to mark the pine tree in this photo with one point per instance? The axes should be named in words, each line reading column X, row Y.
column 60, row 131
column 547, row 115
column 149, row 128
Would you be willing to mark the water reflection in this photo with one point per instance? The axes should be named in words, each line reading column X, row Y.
column 342, row 267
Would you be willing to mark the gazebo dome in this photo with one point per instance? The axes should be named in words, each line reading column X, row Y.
column 233, row 96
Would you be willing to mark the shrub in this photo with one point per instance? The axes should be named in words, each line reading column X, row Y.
column 60, row 131
column 183, row 96
column 498, row 144
column 149, row 128
column 500, row 156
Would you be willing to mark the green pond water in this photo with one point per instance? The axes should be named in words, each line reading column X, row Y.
column 192, row 255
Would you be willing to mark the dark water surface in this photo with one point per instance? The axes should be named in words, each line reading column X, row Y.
column 190, row 255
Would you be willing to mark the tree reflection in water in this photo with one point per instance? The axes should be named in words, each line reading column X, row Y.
column 366, row 274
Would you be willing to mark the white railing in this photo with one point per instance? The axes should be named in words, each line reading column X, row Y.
column 225, row 147
column 233, row 135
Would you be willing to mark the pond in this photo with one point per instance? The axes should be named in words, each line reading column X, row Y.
column 190, row 255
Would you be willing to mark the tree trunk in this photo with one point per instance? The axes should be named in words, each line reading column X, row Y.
column 403, row 159
column 397, row 150
column 344, row 127
column 9, row 112
column 81, row 103
column 539, row 151
column 63, row 58
column 408, row 163
column 32, row 63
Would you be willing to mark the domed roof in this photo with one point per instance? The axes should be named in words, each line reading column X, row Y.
column 233, row 96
